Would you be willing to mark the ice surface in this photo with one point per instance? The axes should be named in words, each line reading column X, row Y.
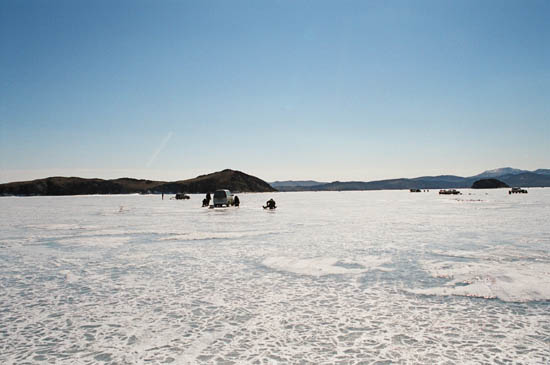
column 331, row 277
column 319, row 266
column 508, row 281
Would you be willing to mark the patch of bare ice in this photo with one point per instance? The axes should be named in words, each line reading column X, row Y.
column 507, row 281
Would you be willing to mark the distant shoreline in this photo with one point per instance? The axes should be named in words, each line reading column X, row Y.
column 240, row 182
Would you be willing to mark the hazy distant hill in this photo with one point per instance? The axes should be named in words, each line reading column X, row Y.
column 226, row 179
column 295, row 185
column 499, row 172
column 395, row 184
column 449, row 178
column 526, row 179
column 276, row 184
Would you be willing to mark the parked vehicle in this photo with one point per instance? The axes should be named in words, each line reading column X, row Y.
column 450, row 192
column 517, row 191
column 223, row 197
column 180, row 196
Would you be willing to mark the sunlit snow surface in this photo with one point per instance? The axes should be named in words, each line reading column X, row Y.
column 346, row 277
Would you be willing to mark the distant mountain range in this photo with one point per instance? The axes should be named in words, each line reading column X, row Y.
column 236, row 181
column 508, row 175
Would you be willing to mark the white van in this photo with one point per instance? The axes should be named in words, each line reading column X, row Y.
column 223, row 197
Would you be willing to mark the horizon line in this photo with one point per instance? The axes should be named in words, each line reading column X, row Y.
column 240, row 170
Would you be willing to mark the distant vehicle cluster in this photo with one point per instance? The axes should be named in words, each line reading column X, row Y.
column 450, row 192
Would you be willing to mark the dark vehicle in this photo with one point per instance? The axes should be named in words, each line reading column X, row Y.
column 450, row 192
column 517, row 191
column 182, row 196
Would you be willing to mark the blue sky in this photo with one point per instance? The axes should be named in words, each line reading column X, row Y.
column 326, row 90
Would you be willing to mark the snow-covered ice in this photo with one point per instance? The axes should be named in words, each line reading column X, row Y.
column 328, row 277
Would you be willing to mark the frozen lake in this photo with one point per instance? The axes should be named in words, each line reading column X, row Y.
column 354, row 277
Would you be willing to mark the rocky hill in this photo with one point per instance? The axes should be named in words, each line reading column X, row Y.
column 235, row 181
column 489, row 184
column 226, row 179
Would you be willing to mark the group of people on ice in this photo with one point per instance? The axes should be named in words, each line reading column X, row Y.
column 206, row 200
column 270, row 204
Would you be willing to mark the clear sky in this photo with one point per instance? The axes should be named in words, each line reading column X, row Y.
column 325, row 90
